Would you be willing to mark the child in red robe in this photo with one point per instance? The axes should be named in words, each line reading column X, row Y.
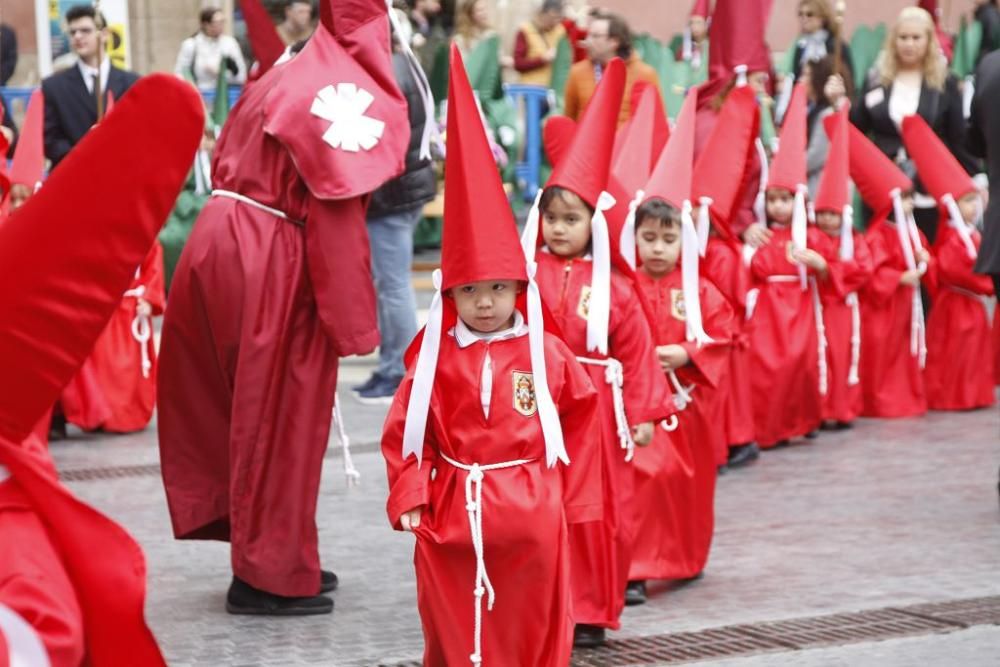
column 893, row 343
column 476, row 434
column 675, row 476
column 599, row 314
column 787, row 355
column 850, row 271
column 959, row 373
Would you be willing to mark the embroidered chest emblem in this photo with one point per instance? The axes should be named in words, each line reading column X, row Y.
column 524, row 393
column 583, row 307
column 677, row 308
column 344, row 105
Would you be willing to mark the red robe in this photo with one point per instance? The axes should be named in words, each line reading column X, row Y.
column 601, row 551
column 117, row 358
column 82, row 402
column 892, row 380
column 526, row 508
column 959, row 373
column 839, row 295
column 723, row 265
column 996, row 346
column 675, row 476
column 784, row 345
column 262, row 306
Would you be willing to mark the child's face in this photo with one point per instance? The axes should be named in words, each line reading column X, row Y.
column 659, row 246
column 969, row 207
column 699, row 27
column 566, row 226
column 19, row 194
column 488, row 305
column 829, row 222
column 780, row 204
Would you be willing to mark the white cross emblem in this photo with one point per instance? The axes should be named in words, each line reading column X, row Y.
column 344, row 105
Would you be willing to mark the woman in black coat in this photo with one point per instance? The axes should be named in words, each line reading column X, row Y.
column 817, row 37
column 911, row 77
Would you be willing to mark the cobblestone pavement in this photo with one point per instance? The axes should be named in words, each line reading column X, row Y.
column 888, row 514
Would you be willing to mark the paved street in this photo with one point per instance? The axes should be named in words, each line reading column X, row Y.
column 889, row 515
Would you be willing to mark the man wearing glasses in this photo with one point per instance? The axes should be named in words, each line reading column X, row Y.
column 71, row 96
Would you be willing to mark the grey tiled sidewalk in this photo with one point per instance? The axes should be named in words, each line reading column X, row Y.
column 891, row 513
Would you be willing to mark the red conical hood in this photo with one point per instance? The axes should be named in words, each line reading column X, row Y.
column 788, row 169
column 671, row 178
column 874, row 174
column 29, row 157
column 938, row 169
column 832, row 194
column 718, row 172
column 587, row 163
column 737, row 37
column 557, row 135
column 643, row 139
column 63, row 266
column 702, row 8
column 931, row 7
column 265, row 42
column 479, row 240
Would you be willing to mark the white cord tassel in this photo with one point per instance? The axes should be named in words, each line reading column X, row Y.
column 852, row 374
column 682, row 394
column 626, row 241
column 600, row 285
column 670, row 424
column 957, row 222
column 415, row 427
column 704, row 223
column 800, row 229
column 821, row 338
column 424, row 86
column 141, row 329
column 694, row 327
column 555, row 448
column 614, row 376
column 351, row 472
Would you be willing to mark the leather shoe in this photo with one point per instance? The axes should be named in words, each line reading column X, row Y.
column 588, row 636
column 635, row 593
column 328, row 581
column 243, row 598
column 741, row 455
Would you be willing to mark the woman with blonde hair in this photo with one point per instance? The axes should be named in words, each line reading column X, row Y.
column 911, row 77
column 818, row 37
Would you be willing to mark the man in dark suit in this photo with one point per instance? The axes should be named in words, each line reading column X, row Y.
column 71, row 96
column 983, row 139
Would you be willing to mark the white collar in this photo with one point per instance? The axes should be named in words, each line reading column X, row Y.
column 465, row 336
column 588, row 257
column 88, row 71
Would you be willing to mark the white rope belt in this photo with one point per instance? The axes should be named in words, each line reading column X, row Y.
column 682, row 394
column 852, row 374
column 783, row 279
column 614, row 375
column 351, row 472
column 821, row 337
column 142, row 330
column 474, row 507
column 256, row 204
column 984, row 300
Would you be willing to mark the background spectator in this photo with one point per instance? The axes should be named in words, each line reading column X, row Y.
column 202, row 53
column 298, row 23
column 826, row 92
column 536, row 43
column 911, row 77
column 817, row 25
column 984, row 141
column 472, row 26
column 988, row 14
column 8, row 53
column 608, row 37
column 427, row 31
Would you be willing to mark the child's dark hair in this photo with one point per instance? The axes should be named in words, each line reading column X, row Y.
column 659, row 210
column 555, row 192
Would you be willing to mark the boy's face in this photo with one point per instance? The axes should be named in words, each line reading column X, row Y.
column 19, row 194
column 488, row 305
column 659, row 246
column 969, row 207
column 566, row 226
column 699, row 27
column 780, row 205
column 829, row 222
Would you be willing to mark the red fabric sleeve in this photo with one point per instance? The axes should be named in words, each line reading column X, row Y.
column 851, row 275
column 712, row 359
column 409, row 484
column 955, row 267
column 522, row 63
column 151, row 275
column 647, row 394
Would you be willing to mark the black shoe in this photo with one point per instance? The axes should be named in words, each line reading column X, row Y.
column 588, row 636
column 635, row 593
column 842, row 426
column 812, row 435
column 742, row 455
column 381, row 392
column 328, row 581
column 245, row 599
column 374, row 379
column 723, row 469
column 57, row 427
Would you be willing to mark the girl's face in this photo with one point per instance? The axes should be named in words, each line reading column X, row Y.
column 659, row 246
column 780, row 204
column 969, row 207
column 829, row 222
column 566, row 226
column 699, row 28
column 480, row 14
column 488, row 305
column 911, row 43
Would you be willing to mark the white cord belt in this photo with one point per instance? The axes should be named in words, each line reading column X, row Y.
column 852, row 374
column 984, row 300
column 918, row 331
column 783, row 279
column 682, row 394
column 142, row 330
column 820, row 337
column 256, row 204
column 614, row 375
column 474, row 507
column 351, row 472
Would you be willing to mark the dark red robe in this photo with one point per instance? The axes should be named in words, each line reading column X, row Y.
column 959, row 373
column 526, row 508
column 841, row 303
column 675, row 476
column 601, row 552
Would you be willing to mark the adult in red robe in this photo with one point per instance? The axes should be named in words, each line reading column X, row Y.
column 272, row 288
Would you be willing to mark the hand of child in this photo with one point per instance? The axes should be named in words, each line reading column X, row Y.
column 910, row 278
column 642, row 434
column 410, row 520
column 757, row 235
column 672, row 357
column 143, row 308
column 923, row 257
column 811, row 259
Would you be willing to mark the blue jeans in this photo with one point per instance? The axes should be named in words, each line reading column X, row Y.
column 391, row 238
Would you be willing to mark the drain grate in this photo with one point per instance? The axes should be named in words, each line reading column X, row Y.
column 116, row 472
column 974, row 611
column 677, row 647
column 850, row 628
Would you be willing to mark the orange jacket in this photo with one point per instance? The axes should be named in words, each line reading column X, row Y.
column 581, row 84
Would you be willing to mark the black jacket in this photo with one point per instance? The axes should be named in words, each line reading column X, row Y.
column 942, row 109
column 984, row 141
column 989, row 16
column 845, row 58
column 70, row 109
column 8, row 53
column 8, row 121
column 417, row 185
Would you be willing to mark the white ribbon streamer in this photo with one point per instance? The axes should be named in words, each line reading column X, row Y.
column 760, row 202
column 555, row 447
column 852, row 374
column 704, row 223
column 415, row 428
column 694, row 327
column 957, row 222
column 529, row 236
column 600, row 286
column 626, row 241
column 847, row 233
